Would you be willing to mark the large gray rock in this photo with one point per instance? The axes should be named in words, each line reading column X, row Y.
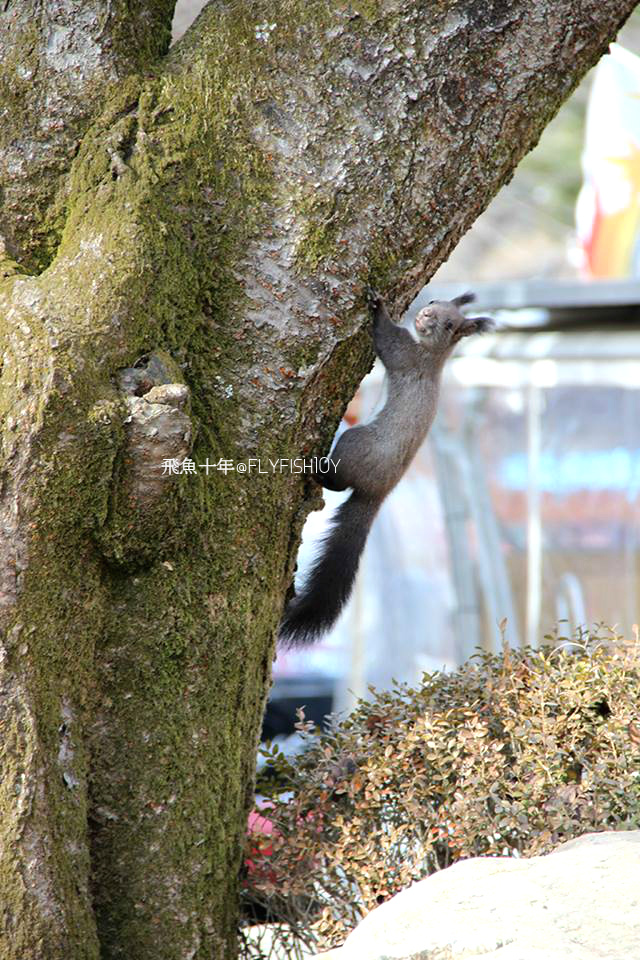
column 581, row 902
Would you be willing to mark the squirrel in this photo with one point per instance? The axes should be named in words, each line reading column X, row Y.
column 371, row 458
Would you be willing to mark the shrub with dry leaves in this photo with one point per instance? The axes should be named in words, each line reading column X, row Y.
column 508, row 756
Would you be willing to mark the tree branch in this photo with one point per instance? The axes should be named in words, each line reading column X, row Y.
column 402, row 125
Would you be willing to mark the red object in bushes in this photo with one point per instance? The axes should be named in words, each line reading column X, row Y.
column 258, row 829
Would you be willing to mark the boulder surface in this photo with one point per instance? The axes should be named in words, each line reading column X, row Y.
column 581, row 902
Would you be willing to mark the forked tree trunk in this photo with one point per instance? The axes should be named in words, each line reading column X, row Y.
column 187, row 239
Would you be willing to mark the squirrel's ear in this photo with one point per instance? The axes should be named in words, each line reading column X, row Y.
column 483, row 324
column 473, row 325
column 464, row 298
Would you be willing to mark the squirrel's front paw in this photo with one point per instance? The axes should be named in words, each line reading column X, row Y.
column 373, row 297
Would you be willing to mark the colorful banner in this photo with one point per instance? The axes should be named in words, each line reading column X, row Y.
column 608, row 210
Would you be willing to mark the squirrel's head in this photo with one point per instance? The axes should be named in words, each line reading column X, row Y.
column 441, row 323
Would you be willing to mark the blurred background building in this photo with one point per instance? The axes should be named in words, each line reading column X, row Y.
column 521, row 512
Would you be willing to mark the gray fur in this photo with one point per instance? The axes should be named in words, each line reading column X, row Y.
column 373, row 457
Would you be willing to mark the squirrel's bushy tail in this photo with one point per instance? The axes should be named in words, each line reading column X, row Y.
column 330, row 580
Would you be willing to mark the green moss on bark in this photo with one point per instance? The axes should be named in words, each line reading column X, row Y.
column 167, row 663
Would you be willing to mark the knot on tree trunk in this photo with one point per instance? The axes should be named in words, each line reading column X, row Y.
column 158, row 437
column 158, row 427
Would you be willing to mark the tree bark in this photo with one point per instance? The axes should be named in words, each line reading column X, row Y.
column 204, row 225
column 57, row 59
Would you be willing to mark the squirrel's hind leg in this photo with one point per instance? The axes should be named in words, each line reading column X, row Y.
column 327, row 476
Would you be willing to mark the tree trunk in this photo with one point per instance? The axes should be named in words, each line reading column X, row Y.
column 187, row 240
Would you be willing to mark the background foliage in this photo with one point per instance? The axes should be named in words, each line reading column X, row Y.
column 509, row 756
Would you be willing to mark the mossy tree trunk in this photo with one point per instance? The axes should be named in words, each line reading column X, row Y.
column 186, row 242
